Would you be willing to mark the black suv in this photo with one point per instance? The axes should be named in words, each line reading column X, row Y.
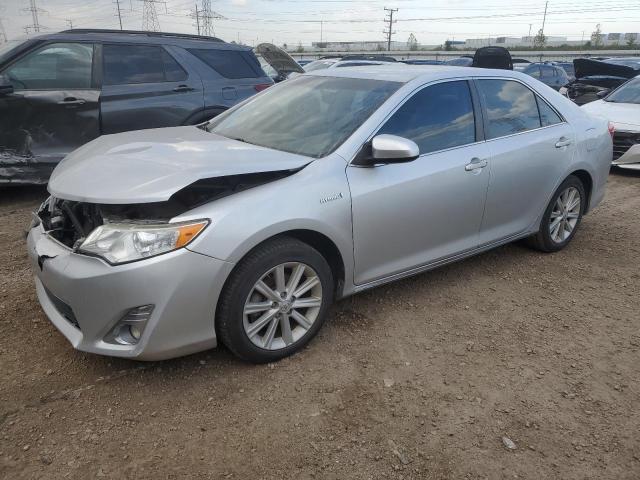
column 62, row 90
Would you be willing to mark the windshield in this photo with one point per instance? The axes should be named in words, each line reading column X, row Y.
column 627, row 93
column 307, row 115
column 318, row 65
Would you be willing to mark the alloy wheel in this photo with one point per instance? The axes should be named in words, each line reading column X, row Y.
column 282, row 305
column 565, row 215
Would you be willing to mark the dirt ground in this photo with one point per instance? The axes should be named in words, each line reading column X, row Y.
column 417, row 379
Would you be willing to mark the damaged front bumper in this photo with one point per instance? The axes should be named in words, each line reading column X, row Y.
column 86, row 298
column 626, row 152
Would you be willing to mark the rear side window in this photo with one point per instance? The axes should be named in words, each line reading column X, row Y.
column 230, row 63
column 436, row 118
column 511, row 107
column 131, row 64
column 548, row 116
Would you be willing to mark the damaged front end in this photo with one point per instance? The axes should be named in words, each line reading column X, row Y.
column 82, row 226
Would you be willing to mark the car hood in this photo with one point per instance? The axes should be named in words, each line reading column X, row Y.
column 625, row 116
column 585, row 67
column 151, row 165
column 280, row 60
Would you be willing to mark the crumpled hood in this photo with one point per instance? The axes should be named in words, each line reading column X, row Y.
column 151, row 165
column 625, row 116
column 585, row 67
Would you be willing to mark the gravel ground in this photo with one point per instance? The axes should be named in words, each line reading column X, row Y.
column 418, row 379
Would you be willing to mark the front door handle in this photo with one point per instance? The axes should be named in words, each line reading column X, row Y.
column 183, row 88
column 563, row 142
column 475, row 164
column 71, row 101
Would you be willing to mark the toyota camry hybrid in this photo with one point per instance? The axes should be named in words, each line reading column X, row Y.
column 243, row 230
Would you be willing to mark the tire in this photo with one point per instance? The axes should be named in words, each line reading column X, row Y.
column 240, row 327
column 550, row 239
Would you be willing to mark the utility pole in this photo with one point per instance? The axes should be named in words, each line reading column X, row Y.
column 150, row 20
column 544, row 19
column 119, row 14
column 197, row 18
column 207, row 18
column 70, row 23
column 320, row 31
column 3, row 33
column 389, row 30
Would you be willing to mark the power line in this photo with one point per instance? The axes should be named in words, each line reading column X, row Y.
column 389, row 32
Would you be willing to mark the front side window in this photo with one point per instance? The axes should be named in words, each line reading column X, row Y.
column 131, row 64
column 511, row 107
column 307, row 115
column 53, row 67
column 436, row 118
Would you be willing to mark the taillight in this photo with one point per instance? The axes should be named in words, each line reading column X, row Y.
column 612, row 129
column 261, row 86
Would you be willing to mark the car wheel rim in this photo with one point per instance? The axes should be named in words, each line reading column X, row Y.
column 565, row 215
column 282, row 305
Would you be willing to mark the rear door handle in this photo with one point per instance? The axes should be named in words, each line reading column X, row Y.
column 475, row 164
column 563, row 142
column 183, row 88
column 70, row 101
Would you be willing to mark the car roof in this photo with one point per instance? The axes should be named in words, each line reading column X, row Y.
column 142, row 37
column 401, row 72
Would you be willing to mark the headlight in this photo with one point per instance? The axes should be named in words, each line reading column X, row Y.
column 127, row 242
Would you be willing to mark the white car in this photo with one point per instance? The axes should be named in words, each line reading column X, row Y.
column 622, row 108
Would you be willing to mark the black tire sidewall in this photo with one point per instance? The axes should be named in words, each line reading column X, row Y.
column 248, row 272
column 545, row 232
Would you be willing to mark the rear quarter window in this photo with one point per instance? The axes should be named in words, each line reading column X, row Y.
column 230, row 63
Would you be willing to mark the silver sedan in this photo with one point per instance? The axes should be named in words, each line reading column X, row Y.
column 160, row 243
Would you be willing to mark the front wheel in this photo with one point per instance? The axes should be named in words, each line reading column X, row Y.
column 562, row 217
column 275, row 300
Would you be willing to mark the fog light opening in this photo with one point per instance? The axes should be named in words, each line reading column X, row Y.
column 129, row 330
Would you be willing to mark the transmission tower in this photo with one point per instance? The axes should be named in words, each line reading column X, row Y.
column 389, row 31
column 150, row 20
column 207, row 16
column 35, row 26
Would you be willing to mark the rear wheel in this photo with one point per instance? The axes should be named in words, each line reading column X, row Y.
column 275, row 300
column 562, row 217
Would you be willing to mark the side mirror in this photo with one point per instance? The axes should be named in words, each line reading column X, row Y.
column 5, row 85
column 388, row 149
column 603, row 93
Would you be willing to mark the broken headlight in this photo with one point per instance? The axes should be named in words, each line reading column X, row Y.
column 127, row 242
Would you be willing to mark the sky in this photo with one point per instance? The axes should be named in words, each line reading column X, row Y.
column 304, row 21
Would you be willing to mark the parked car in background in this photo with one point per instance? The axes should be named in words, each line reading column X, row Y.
column 278, row 64
column 352, row 61
column 568, row 68
column 492, row 57
column 460, row 62
column 302, row 63
column 622, row 108
column 421, row 61
column 61, row 90
column 160, row 243
column 595, row 78
column 552, row 75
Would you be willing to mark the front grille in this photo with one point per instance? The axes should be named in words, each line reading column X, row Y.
column 63, row 309
column 623, row 141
